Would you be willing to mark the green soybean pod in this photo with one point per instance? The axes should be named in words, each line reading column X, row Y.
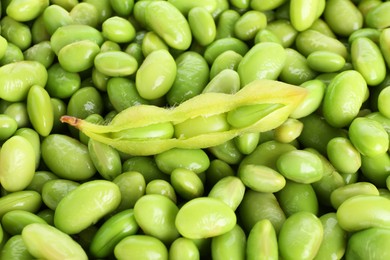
column 368, row 136
column 17, row 166
column 23, row 200
column 202, row 25
column 226, row 22
column 62, row 246
column 106, row 159
column 39, row 110
column 364, row 211
column 341, row 194
column 160, row 15
column 192, row 75
column 343, row 155
column 8, row 126
column 343, row 100
column 247, row 26
column 219, row 46
column 85, row 205
column 296, row 197
column 33, row 137
column 67, row 157
column 343, row 17
column 186, row 183
column 300, row 236
column 40, row 52
column 183, row 248
column 155, row 215
column 230, row 190
column 132, row 187
column 17, row 78
column 192, row 159
column 263, row 61
column 230, row 245
column 368, row 60
column 262, row 241
column 15, row 248
column 75, row 32
column 204, row 217
column 310, row 41
column 24, row 10
column 373, row 238
column 377, row 17
column 78, row 56
column 303, row 13
column 261, row 178
column 115, row 63
column 300, row 166
column 296, row 69
column 112, row 231
column 16, row 32
column 334, row 242
column 325, row 61
column 156, row 74
column 53, row 191
column 14, row 221
column 140, row 247
column 267, row 207
column 54, row 17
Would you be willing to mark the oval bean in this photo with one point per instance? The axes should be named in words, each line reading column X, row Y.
column 78, row 56
column 341, row 194
column 202, row 25
column 40, row 111
column 14, row 221
column 186, row 183
column 140, row 247
column 232, row 244
column 261, row 178
column 183, row 248
column 262, row 241
column 115, row 63
column 230, row 190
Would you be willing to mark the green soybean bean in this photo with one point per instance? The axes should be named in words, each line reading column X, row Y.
column 16, row 32
column 17, row 156
column 247, row 26
column 230, row 190
column 153, row 87
column 325, row 61
column 152, row 42
column 204, row 217
column 262, row 5
column 185, row 6
column 62, row 246
column 158, row 131
column 3, row 46
column 33, row 137
column 217, row 170
column 343, row 100
column 161, row 187
column 283, row 29
column 14, row 221
column 300, row 166
column 368, row 136
column 232, row 244
column 266, row 35
column 54, row 17
column 39, row 110
column 15, row 248
column 186, row 183
column 85, row 13
column 22, row 200
column 110, row 46
column 147, row 166
column 122, row 8
column 183, row 248
column 247, row 143
column 105, row 159
column 192, row 75
column 288, row 131
column 224, row 44
column 383, row 100
column 303, row 13
column 112, row 231
column 8, row 126
column 115, row 63
column 368, row 60
column 155, row 214
column 300, row 236
column 227, row 60
column 371, row 33
column 12, row 54
column 227, row 152
column 226, row 22
column 343, row 155
column 62, row 83
column 316, row 90
column 132, row 187
column 140, row 247
column 85, row 205
column 59, row 109
column 262, row 241
column 384, row 39
column 263, row 61
column 67, row 34
column 296, row 69
column 310, row 41
column 375, row 169
column 118, row 29
column 334, row 241
column 40, row 52
column 202, row 25
column 366, row 5
column 227, row 81
column 341, row 194
column 17, row 78
column 267, row 207
column 377, row 18
column 23, row 11
column 364, row 211
column 78, row 56
column 261, row 178
column 39, row 179
column 321, row 26
column 86, row 95
column 53, row 191
column 18, row 111
column 76, row 163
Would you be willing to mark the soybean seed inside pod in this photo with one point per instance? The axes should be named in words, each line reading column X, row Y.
column 203, row 121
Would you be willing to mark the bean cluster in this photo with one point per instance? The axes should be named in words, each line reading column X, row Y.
column 194, row 129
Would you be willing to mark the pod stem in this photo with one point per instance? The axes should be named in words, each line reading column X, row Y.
column 71, row 120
